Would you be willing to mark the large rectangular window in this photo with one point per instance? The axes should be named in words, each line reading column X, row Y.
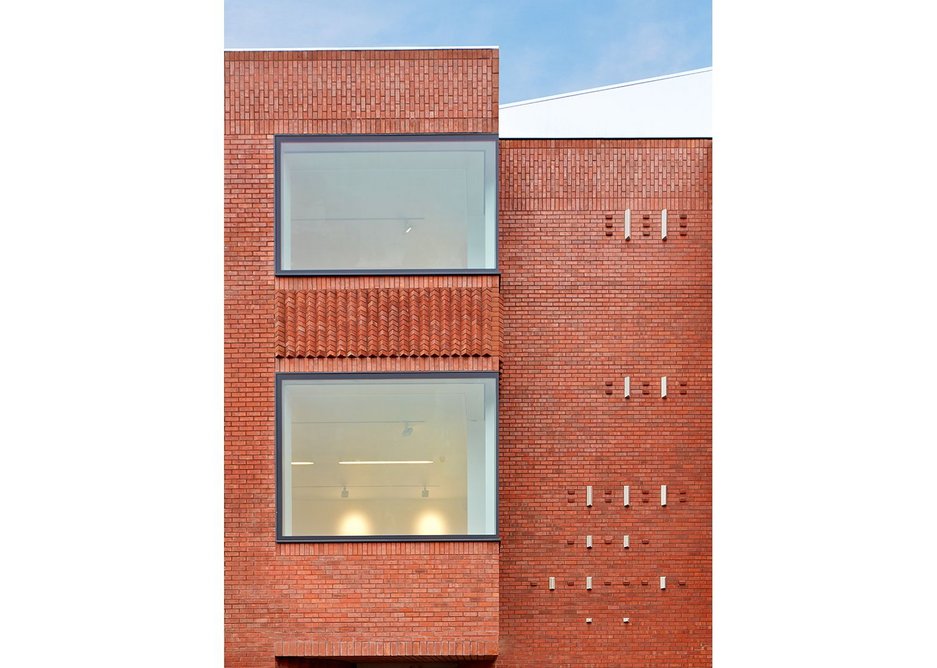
column 386, row 455
column 386, row 204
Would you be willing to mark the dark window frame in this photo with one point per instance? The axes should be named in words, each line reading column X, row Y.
column 345, row 138
column 409, row 538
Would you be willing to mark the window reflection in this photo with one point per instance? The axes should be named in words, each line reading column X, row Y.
column 413, row 204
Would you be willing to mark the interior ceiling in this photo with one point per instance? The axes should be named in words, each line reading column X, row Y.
column 397, row 215
column 384, row 186
column 332, row 424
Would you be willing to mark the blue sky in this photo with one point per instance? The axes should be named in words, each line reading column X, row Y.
column 547, row 46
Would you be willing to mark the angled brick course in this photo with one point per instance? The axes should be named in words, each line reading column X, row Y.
column 388, row 322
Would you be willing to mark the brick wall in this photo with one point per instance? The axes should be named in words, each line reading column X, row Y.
column 344, row 599
column 361, row 92
column 579, row 308
column 583, row 308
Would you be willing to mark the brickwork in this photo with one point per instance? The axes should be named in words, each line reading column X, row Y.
column 361, row 92
column 438, row 599
column 389, row 322
column 399, row 650
column 583, row 309
column 385, row 364
column 575, row 310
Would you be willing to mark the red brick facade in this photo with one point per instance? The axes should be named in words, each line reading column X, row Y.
column 576, row 308
column 582, row 310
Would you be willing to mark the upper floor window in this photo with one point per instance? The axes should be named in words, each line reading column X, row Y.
column 417, row 204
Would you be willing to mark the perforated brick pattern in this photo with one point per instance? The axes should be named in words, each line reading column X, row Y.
column 582, row 310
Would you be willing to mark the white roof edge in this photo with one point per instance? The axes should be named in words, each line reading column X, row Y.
column 601, row 88
column 366, row 48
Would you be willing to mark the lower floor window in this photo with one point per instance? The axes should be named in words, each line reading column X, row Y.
column 386, row 455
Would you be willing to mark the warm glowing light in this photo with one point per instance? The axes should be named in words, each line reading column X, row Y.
column 410, row 461
column 354, row 523
column 303, row 463
column 430, row 523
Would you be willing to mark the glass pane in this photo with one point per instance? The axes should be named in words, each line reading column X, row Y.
column 392, row 204
column 388, row 456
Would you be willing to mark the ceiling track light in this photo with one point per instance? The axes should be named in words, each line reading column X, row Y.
column 425, row 492
column 344, row 492
column 407, row 429
column 383, row 461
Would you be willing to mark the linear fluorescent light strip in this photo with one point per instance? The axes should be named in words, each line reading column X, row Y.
column 302, row 463
column 408, row 461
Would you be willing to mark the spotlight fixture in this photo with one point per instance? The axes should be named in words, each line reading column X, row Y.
column 407, row 429
column 408, row 230
column 344, row 492
column 425, row 492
